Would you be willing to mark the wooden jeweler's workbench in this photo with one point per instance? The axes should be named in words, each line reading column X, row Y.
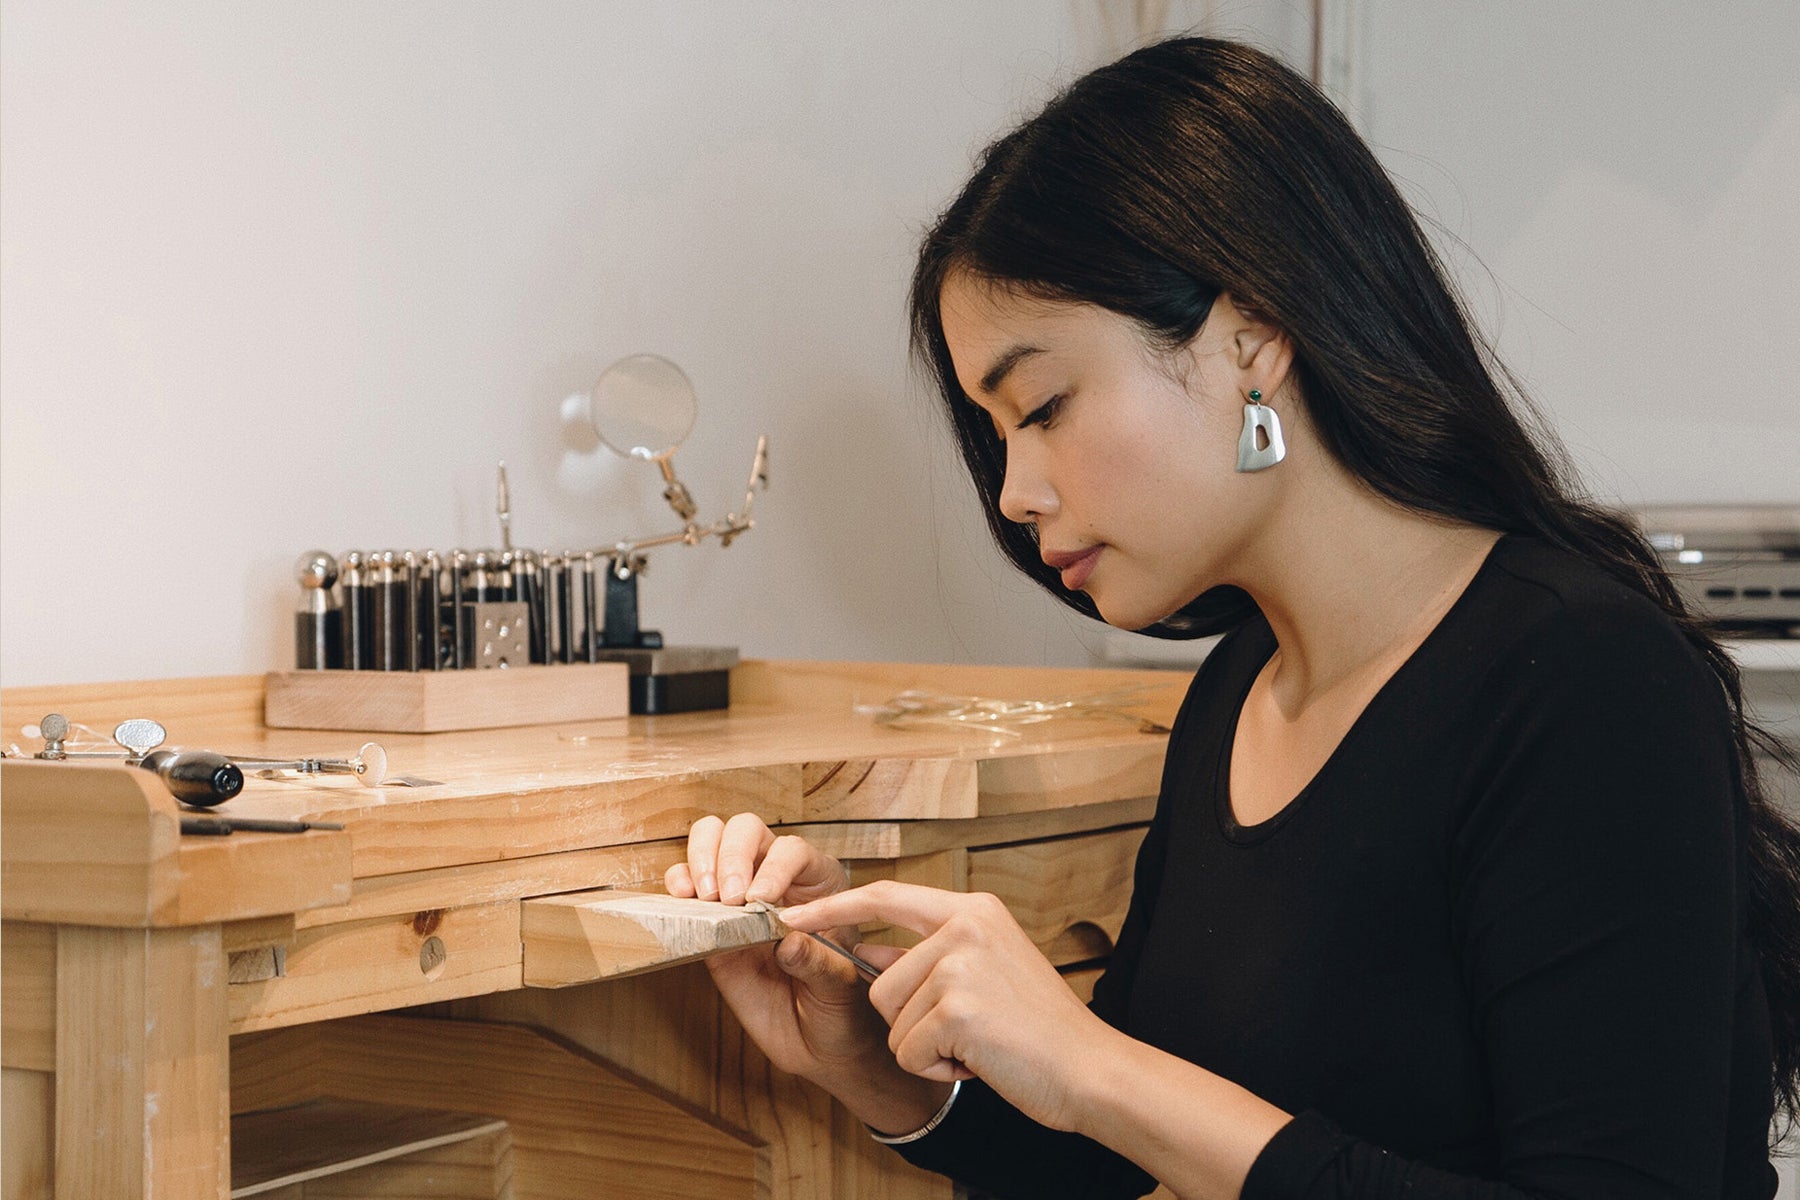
column 216, row 1016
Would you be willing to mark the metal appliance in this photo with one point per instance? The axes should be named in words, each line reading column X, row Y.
column 1737, row 565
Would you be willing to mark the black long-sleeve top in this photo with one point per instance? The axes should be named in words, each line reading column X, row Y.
column 1495, row 948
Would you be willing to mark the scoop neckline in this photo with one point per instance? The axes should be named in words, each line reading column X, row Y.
column 1245, row 835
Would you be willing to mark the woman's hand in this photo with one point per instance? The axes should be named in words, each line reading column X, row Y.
column 806, row 1007
column 975, row 997
column 742, row 859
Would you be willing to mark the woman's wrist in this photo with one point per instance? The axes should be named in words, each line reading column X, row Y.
column 883, row 1096
column 937, row 1118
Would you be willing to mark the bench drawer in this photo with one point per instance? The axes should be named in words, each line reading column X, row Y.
column 1070, row 894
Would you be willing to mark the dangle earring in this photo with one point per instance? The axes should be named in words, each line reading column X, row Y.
column 1260, row 419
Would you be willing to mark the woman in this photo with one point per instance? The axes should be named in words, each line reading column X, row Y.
column 1459, row 883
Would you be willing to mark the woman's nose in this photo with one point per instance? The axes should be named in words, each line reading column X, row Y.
column 1025, row 493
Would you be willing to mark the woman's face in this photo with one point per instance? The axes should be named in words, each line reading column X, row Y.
column 1122, row 457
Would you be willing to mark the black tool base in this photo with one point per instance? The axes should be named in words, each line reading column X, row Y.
column 676, row 679
column 691, row 691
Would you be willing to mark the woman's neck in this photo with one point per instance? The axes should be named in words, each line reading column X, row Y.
column 1353, row 585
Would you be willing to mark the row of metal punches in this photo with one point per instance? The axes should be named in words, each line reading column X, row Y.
column 425, row 611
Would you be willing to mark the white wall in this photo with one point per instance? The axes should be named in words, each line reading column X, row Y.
column 1627, row 176
column 283, row 276
column 274, row 277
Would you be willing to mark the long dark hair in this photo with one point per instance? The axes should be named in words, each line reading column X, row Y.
column 1194, row 167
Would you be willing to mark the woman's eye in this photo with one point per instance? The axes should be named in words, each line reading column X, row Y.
column 1044, row 413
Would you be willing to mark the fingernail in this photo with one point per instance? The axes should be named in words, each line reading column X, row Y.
column 733, row 886
column 708, row 886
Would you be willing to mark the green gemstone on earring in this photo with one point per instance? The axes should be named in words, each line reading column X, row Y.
column 1256, row 395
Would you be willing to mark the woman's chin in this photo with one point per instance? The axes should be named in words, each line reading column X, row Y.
column 1128, row 617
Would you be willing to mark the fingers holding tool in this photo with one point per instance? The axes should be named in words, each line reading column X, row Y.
column 864, row 967
column 974, row 997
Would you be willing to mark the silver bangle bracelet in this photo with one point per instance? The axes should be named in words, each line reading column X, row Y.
column 937, row 1118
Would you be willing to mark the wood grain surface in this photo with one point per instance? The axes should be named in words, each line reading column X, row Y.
column 141, row 1063
column 28, row 996
column 100, row 844
column 579, row 1126
column 385, row 962
column 423, row 899
column 444, row 701
column 1070, row 894
column 584, row 936
column 310, row 1142
column 29, row 1101
column 793, row 747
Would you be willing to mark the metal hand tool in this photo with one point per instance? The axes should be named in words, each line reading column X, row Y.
column 318, row 632
column 358, row 641
column 135, row 738
column 219, row 826
column 196, row 777
column 204, row 777
column 506, row 576
column 429, row 630
column 387, row 605
column 555, row 584
column 201, row 778
column 590, row 608
column 376, row 581
column 530, row 587
column 459, row 614
column 369, row 766
column 863, row 966
column 407, row 573
column 140, row 735
column 481, row 578
column 503, row 509
column 54, row 729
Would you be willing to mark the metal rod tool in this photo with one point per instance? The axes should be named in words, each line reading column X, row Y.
column 219, row 826
column 369, row 766
column 318, row 623
column 503, row 509
column 429, row 631
column 863, row 966
column 358, row 644
column 459, row 616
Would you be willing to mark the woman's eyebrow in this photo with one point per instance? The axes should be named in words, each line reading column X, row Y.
column 1003, row 366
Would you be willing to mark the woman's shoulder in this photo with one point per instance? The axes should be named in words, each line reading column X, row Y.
column 1553, row 619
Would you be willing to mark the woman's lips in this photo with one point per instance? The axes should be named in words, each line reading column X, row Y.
column 1075, row 565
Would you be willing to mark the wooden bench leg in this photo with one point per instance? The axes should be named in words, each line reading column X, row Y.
column 142, row 1075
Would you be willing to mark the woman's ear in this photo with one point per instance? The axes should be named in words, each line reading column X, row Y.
column 1262, row 350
